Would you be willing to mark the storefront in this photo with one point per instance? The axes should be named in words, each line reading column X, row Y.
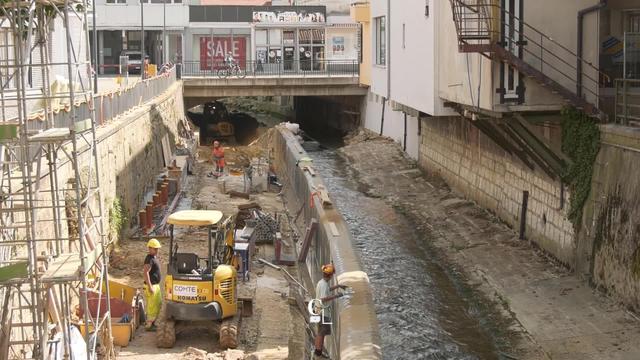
column 209, row 46
column 268, row 39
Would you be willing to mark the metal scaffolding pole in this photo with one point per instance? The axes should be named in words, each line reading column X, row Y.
column 50, row 259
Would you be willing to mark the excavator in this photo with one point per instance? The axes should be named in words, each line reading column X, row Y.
column 201, row 289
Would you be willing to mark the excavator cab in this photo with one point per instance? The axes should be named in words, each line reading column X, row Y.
column 200, row 290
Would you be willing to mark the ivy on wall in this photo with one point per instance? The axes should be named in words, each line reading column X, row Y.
column 118, row 217
column 581, row 142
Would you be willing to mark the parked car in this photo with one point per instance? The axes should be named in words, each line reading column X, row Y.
column 135, row 61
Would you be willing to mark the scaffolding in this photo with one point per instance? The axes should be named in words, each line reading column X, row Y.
column 53, row 260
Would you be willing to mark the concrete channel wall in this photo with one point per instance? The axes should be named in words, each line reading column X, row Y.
column 609, row 240
column 355, row 333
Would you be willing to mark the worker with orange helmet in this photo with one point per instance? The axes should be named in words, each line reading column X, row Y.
column 152, row 278
column 323, row 293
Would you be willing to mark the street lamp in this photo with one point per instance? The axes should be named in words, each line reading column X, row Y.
column 142, row 54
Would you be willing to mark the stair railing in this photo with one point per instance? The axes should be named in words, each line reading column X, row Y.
column 540, row 51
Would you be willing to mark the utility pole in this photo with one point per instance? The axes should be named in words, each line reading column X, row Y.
column 164, row 30
column 142, row 52
column 95, row 49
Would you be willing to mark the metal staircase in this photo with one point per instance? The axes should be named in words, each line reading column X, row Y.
column 484, row 27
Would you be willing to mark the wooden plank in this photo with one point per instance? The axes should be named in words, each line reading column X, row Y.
column 166, row 150
column 251, row 205
column 311, row 232
column 65, row 267
column 51, row 135
column 334, row 229
column 233, row 193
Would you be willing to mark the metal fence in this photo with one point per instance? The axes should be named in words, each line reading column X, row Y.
column 110, row 105
column 631, row 56
column 292, row 68
column 628, row 102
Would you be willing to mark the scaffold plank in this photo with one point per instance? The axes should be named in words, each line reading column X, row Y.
column 64, row 268
column 52, row 135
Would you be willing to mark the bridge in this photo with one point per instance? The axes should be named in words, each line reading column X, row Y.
column 203, row 82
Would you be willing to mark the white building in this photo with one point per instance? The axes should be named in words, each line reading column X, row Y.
column 474, row 91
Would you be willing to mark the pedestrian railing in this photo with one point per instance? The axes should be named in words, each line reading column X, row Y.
column 284, row 68
column 108, row 105
column 628, row 102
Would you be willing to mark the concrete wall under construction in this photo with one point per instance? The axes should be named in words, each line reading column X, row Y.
column 355, row 328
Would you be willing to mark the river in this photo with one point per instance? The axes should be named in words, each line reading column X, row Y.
column 425, row 310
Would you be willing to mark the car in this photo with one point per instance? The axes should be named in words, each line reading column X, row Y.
column 135, row 61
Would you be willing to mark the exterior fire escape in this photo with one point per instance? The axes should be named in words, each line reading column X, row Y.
column 484, row 27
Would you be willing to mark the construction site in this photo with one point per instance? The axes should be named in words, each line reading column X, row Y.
column 89, row 178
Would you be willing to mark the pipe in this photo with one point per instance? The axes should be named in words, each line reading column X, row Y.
column 580, row 31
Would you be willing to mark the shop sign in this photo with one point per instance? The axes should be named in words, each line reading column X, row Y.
column 299, row 16
column 214, row 49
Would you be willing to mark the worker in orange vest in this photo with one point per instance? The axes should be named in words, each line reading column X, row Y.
column 218, row 158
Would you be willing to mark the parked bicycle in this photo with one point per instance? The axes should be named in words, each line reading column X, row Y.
column 232, row 70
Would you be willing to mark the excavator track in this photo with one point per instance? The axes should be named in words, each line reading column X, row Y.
column 229, row 330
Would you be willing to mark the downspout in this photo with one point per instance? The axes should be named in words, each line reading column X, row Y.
column 579, row 60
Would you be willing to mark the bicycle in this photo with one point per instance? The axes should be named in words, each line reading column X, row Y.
column 232, row 70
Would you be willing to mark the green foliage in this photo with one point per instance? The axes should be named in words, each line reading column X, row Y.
column 581, row 142
column 118, row 217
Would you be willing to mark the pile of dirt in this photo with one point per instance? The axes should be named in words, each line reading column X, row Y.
column 361, row 135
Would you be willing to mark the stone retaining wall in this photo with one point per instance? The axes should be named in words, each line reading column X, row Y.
column 474, row 165
column 355, row 327
column 610, row 234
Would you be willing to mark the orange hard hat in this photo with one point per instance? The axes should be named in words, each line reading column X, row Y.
column 328, row 269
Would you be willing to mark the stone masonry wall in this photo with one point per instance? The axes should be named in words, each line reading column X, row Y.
column 474, row 165
column 609, row 240
column 129, row 159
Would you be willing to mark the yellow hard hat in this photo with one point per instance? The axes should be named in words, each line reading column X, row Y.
column 154, row 243
column 328, row 269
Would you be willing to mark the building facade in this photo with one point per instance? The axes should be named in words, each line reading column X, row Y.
column 268, row 38
column 474, row 91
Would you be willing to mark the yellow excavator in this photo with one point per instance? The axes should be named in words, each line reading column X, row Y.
column 201, row 291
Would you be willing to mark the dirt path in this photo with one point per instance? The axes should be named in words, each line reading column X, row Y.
column 272, row 328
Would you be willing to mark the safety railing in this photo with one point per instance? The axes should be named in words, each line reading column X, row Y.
column 284, row 68
column 108, row 105
column 628, row 102
column 485, row 22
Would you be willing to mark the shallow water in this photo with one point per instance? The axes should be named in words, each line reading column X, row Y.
column 425, row 310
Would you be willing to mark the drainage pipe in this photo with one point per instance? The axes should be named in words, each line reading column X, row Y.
column 580, row 46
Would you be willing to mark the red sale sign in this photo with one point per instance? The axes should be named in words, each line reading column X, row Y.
column 214, row 49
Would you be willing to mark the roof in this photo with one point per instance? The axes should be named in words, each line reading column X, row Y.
column 195, row 217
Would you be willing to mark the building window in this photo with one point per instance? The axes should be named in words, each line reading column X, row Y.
column 116, row 1
column 381, row 40
column 633, row 22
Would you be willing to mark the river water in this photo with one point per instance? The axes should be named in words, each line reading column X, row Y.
column 425, row 310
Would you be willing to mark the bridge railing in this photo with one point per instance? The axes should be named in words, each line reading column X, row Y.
column 285, row 68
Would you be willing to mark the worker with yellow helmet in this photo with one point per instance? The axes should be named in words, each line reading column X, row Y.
column 152, row 278
column 323, row 293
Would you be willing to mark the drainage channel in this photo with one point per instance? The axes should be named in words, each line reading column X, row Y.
column 425, row 311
